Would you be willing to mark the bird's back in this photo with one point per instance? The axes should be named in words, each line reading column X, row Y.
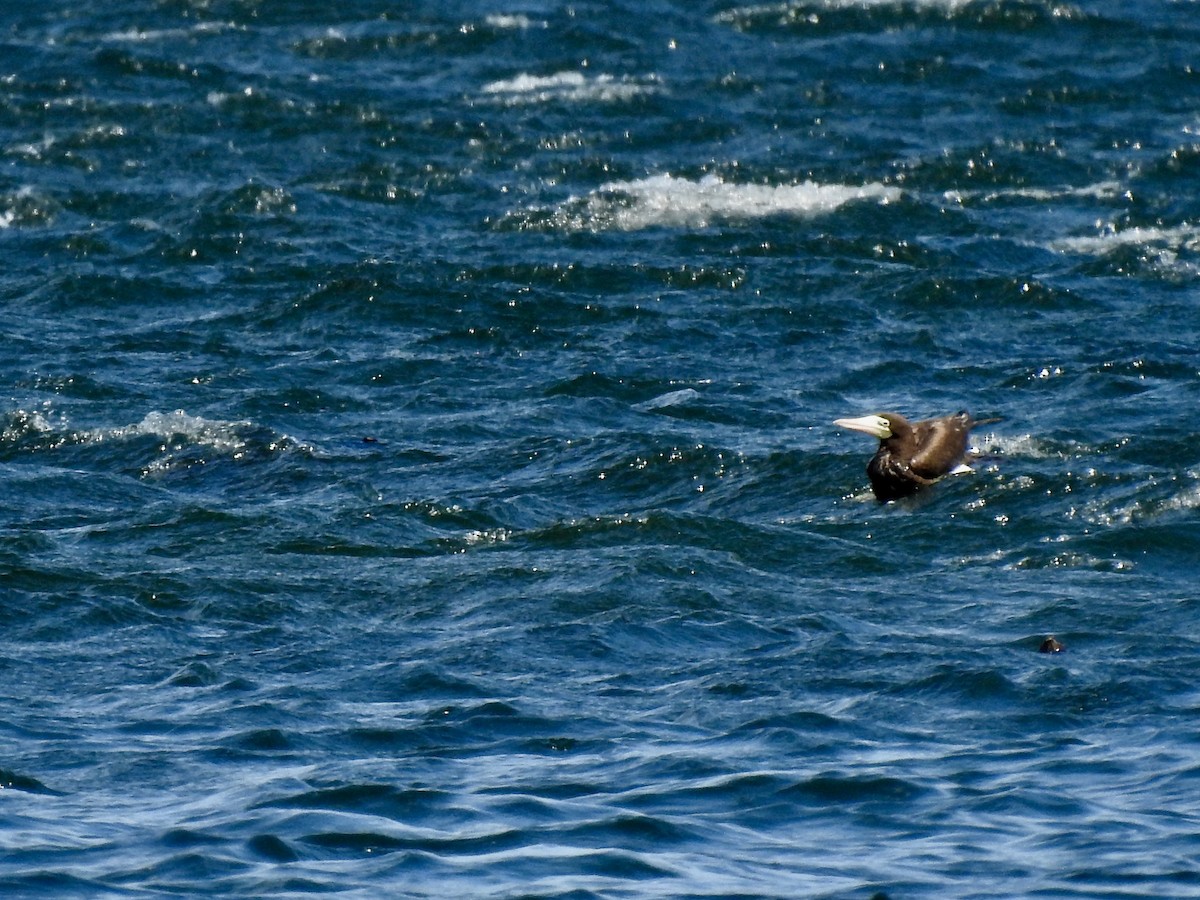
column 941, row 444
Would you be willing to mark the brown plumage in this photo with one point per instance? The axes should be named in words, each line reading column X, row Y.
column 913, row 455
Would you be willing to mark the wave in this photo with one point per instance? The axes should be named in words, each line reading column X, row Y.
column 679, row 397
column 26, row 207
column 1157, row 497
column 155, row 35
column 221, row 436
column 1022, row 446
column 570, row 87
column 795, row 8
column 1168, row 252
column 513, row 22
column 1102, row 190
column 808, row 13
column 180, row 440
column 1165, row 242
column 178, row 430
column 674, row 202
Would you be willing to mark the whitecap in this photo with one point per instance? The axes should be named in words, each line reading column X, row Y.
column 1187, row 500
column 1023, row 446
column 1183, row 496
column 1168, row 251
column 1101, row 190
column 512, row 22
column 569, row 87
column 487, row 536
column 25, row 207
column 33, row 150
column 664, row 200
column 797, row 9
column 21, row 423
column 1164, row 240
column 178, row 429
column 220, row 435
column 671, row 398
column 154, row 35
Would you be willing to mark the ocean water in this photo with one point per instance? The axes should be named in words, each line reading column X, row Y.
column 417, row 469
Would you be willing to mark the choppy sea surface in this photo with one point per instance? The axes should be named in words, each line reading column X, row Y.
column 417, row 469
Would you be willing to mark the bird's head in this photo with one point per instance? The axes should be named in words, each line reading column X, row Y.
column 880, row 425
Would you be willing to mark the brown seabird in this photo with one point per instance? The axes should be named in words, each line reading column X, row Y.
column 913, row 455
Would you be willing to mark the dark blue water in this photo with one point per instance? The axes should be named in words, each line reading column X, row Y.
column 417, row 470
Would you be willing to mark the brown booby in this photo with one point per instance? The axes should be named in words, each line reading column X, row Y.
column 913, row 455
column 1051, row 645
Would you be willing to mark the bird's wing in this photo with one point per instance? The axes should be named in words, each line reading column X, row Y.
column 892, row 468
column 912, row 475
column 941, row 444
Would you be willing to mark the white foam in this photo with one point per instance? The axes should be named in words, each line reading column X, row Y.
column 1159, row 248
column 1103, row 190
column 1165, row 240
column 1184, row 499
column 33, row 150
column 664, row 200
column 513, row 22
column 485, row 536
column 224, row 437
column 671, row 398
column 1024, row 446
column 569, row 87
column 790, row 11
column 137, row 35
column 21, row 423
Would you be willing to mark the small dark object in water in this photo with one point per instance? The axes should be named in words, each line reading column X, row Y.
column 1050, row 645
column 370, row 440
column 913, row 455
